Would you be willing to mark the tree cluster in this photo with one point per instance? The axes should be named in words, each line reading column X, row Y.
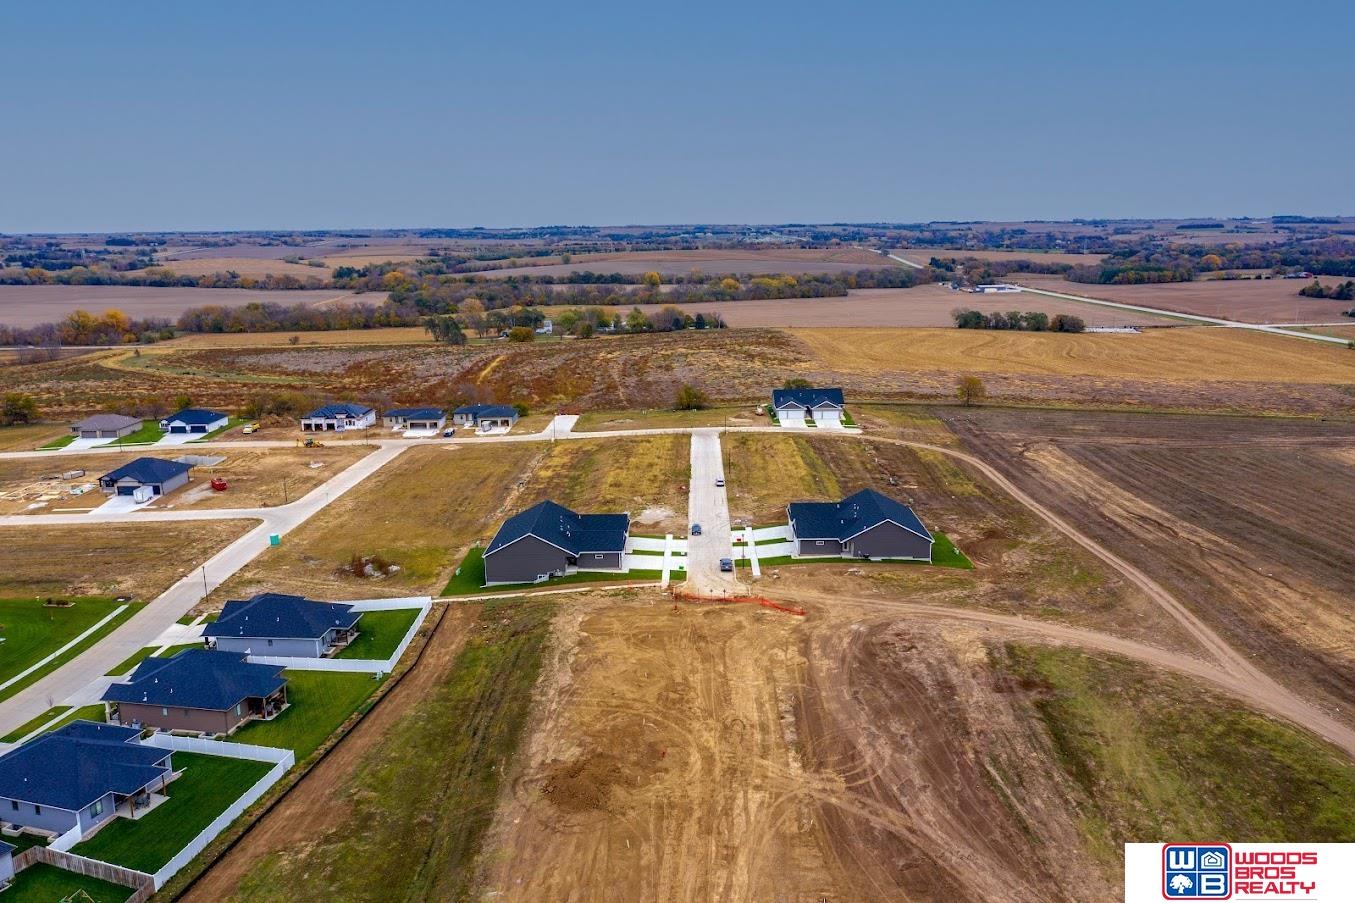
column 268, row 316
column 1344, row 291
column 1027, row 321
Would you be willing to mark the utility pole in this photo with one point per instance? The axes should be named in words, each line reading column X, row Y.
column 204, row 583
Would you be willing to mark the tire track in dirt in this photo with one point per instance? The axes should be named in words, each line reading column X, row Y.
column 312, row 807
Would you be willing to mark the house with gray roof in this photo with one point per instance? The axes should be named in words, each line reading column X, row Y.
column 282, row 625
column 797, row 407
column 866, row 524
column 106, row 426
column 486, row 417
column 404, row 419
column 159, row 475
column 203, row 690
column 194, row 421
column 337, row 417
column 82, row 775
column 549, row 540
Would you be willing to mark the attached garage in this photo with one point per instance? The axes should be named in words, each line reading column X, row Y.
column 106, row 426
column 194, row 421
column 156, row 476
column 867, row 524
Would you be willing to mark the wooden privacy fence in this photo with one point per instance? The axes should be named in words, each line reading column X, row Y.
column 143, row 884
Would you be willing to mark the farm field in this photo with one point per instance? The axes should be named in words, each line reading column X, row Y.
column 135, row 560
column 1247, row 300
column 710, row 262
column 923, row 255
column 246, row 266
column 29, row 436
column 421, row 512
column 29, row 305
column 1246, row 519
column 923, row 305
column 393, row 335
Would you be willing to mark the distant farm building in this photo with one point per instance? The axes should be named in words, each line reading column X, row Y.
column 867, row 524
column 996, row 288
column 549, row 540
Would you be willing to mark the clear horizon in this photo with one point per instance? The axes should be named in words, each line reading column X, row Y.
column 315, row 117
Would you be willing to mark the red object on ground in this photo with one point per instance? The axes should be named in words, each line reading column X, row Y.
column 219, row 484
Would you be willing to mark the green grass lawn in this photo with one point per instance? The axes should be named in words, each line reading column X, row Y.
column 209, row 784
column 59, row 442
column 944, row 555
column 43, row 883
column 149, row 432
column 320, row 702
column 379, row 633
column 231, row 424
column 470, row 578
column 32, row 631
column 126, row 665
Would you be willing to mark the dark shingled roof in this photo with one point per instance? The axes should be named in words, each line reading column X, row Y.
column 488, row 410
column 416, row 413
column 557, row 525
column 854, row 514
column 340, row 409
column 198, row 679
column 279, row 616
column 806, row 398
column 72, row 767
column 196, row 416
column 147, row 470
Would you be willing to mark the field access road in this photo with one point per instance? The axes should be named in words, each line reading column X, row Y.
column 1194, row 318
column 708, row 505
column 143, row 628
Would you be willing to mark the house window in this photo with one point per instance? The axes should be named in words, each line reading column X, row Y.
column 164, row 710
column 818, row 542
column 37, row 810
column 237, row 710
column 97, row 809
column 597, row 555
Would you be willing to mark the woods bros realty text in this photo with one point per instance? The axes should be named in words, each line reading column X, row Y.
column 1322, row 872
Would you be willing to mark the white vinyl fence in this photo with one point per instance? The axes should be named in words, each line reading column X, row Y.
column 360, row 665
column 282, row 760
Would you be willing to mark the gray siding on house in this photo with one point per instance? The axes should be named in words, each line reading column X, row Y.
column 600, row 561
column 166, row 487
column 523, row 561
column 17, row 812
column 818, row 547
column 89, row 821
column 304, row 648
column 889, row 540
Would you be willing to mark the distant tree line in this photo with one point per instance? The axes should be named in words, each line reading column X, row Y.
column 1028, row 321
column 268, row 316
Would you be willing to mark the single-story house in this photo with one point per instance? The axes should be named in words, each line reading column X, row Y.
column 283, row 625
column 344, row 415
column 82, row 774
column 106, row 426
column 194, row 420
column 486, row 416
column 866, row 524
column 160, row 475
column 6, row 863
column 794, row 406
column 204, row 690
column 415, row 418
column 548, row 540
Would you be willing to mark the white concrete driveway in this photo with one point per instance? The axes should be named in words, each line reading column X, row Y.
column 708, row 506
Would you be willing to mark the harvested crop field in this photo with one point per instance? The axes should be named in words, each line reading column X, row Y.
column 246, row 266
column 1246, row 300
column 681, row 263
column 394, row 335
column 923, row 255
column 924, row 305
column 29, row 305
column 136, row 560
column 1247, row 521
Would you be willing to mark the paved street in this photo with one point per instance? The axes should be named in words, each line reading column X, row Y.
column 708, row 506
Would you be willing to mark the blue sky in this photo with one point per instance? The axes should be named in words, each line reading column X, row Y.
column 298, row 115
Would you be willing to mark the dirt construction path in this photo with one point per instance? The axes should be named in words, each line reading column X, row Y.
column 311, row 807
column 1246, row 677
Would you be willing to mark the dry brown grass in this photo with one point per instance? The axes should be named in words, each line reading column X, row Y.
column 137, row 560
column 764, row 473
column 1187, row 354
column 1247, row 300
column 922, row 255
column 646, row 476
column 421, row 511
column 397, row 335
column 30, row 435
column 602, row 421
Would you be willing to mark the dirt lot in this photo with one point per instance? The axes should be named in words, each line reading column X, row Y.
column 1248, row 300
column 680, row 263
column 1247, row 521
column 601, row 421
column 256, row 477
column 924, row 305
column 137, row 560
column 29, row 305
column 421, row 512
